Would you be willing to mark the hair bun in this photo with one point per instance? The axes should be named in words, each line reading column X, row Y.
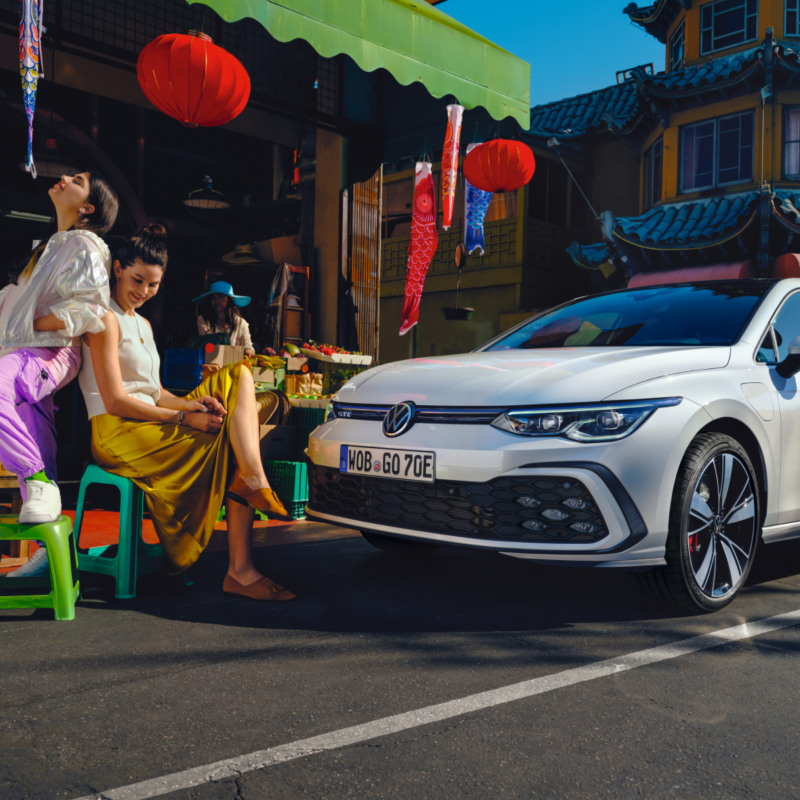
column 154, row 231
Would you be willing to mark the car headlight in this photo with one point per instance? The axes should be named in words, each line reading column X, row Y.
column 330, row 413
column 595, row 422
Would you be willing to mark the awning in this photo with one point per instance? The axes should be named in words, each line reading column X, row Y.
column 411, row 39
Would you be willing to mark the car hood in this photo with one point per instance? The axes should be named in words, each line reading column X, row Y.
column 520, row 377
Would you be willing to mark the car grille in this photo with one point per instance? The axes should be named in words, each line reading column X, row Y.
column 441, row 416
column 530, row 509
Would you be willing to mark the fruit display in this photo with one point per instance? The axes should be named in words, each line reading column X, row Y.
column 328, row 349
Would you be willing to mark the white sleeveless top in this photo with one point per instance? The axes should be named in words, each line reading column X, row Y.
column 138, row 362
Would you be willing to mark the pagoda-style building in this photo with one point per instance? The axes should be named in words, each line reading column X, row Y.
column 717, row 137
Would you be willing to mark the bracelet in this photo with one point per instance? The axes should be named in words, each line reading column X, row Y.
column 180, row 417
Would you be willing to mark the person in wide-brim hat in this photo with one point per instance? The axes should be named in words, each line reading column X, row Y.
column 218, row 312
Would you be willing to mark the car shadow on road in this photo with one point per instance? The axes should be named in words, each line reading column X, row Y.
column 348, row 587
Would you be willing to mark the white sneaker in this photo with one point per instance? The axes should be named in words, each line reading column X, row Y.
column 44, row 503
column 37, row 567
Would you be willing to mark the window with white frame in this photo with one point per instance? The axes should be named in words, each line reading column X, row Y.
column 717, row 152
column 727, row 23
column 653, row 165
column 791, row 22
column 791, row 143
column 676, row 47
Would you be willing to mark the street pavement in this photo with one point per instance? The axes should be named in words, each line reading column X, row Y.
column 183, row 677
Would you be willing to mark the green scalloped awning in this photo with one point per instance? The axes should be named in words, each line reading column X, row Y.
column 409, row 38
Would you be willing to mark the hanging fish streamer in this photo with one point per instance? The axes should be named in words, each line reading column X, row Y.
column 476, row 203
column 424, row 240
column 450, row 162
column 30, row 30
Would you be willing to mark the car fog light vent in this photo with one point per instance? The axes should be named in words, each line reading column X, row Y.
column 534, row 525
column 555, row 514
column 528, row 502
column 576, row 503
column 584, row 527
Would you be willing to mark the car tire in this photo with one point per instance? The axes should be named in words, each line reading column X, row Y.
column 714, row 528
column 399, row 547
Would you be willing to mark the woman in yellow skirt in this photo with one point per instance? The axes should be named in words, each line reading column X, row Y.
column 185, row 453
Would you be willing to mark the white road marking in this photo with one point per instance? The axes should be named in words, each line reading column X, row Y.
column 234, row 767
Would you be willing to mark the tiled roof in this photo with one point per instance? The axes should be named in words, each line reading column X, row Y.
column 576, row 116
column 689, row 222
column 589, row 255
column 714, row 71
column 787, row 204
column 655, row 18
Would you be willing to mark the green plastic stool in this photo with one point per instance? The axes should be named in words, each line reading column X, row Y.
column 133, row 556
column 62, row 558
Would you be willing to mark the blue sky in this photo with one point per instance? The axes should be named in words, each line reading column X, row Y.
column 573, row 46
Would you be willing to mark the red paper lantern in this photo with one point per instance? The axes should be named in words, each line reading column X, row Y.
column 500, row 165
column 193, row 80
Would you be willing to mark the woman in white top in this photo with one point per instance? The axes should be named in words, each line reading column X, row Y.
column 57, row 293
column 220, row 313
column 185, row 453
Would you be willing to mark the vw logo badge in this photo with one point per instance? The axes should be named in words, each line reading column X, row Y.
column 399, row 419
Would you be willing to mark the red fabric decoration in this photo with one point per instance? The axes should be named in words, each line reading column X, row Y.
column 500, row 165
column 424, row 240
column 193, row 80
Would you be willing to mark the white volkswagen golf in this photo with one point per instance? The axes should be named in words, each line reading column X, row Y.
column 656, row 430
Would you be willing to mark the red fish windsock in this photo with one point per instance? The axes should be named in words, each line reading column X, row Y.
column 422, row 246
column 450, row 162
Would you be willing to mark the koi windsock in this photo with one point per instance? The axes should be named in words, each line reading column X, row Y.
column 450, row 162
column 30, row 24
column 476, row 203
column 422, row 246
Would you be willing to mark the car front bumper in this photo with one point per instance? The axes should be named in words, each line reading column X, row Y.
column 627, row 481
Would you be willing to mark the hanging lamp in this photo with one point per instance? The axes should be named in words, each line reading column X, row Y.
column 206, row 202
column 192, row 79
column 500, row 165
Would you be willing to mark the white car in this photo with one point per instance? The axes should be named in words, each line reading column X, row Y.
column 656, row 430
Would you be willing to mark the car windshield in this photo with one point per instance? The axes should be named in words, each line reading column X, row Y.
column 661, row 316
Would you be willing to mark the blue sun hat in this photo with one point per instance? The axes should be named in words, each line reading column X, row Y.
column 220, row 287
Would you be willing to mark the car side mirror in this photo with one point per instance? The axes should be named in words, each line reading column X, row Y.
column 791, row 364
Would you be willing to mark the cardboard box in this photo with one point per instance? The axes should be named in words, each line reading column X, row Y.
column 224, row 354
column 269, row 378
column 277, row 442
column 295, row 363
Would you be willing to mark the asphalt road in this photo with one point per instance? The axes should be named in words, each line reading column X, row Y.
column 182, row 677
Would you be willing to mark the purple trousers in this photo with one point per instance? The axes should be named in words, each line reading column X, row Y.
column 28, row 380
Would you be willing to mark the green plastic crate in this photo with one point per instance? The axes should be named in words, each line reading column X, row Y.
column 306, row 420
column 289, row 479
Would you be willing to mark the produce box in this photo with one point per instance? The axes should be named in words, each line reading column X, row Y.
column 295, row 363
column 338, row 358
column 183, row 369
column 303, row 402
column 277, row 442
column 223, row 354
column 269, row 378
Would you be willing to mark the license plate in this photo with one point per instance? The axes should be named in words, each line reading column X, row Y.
column 408, row 465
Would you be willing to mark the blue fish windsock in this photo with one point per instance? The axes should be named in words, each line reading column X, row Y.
column 476, row 203
column 29, row 39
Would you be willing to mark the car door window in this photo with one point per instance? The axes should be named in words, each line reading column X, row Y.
column 766, row 350
column 787, row 324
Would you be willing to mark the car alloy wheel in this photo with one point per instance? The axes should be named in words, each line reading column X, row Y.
column 714, row 527
column 721, row 526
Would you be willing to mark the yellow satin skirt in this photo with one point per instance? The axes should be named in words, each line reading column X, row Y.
column 184, row 473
